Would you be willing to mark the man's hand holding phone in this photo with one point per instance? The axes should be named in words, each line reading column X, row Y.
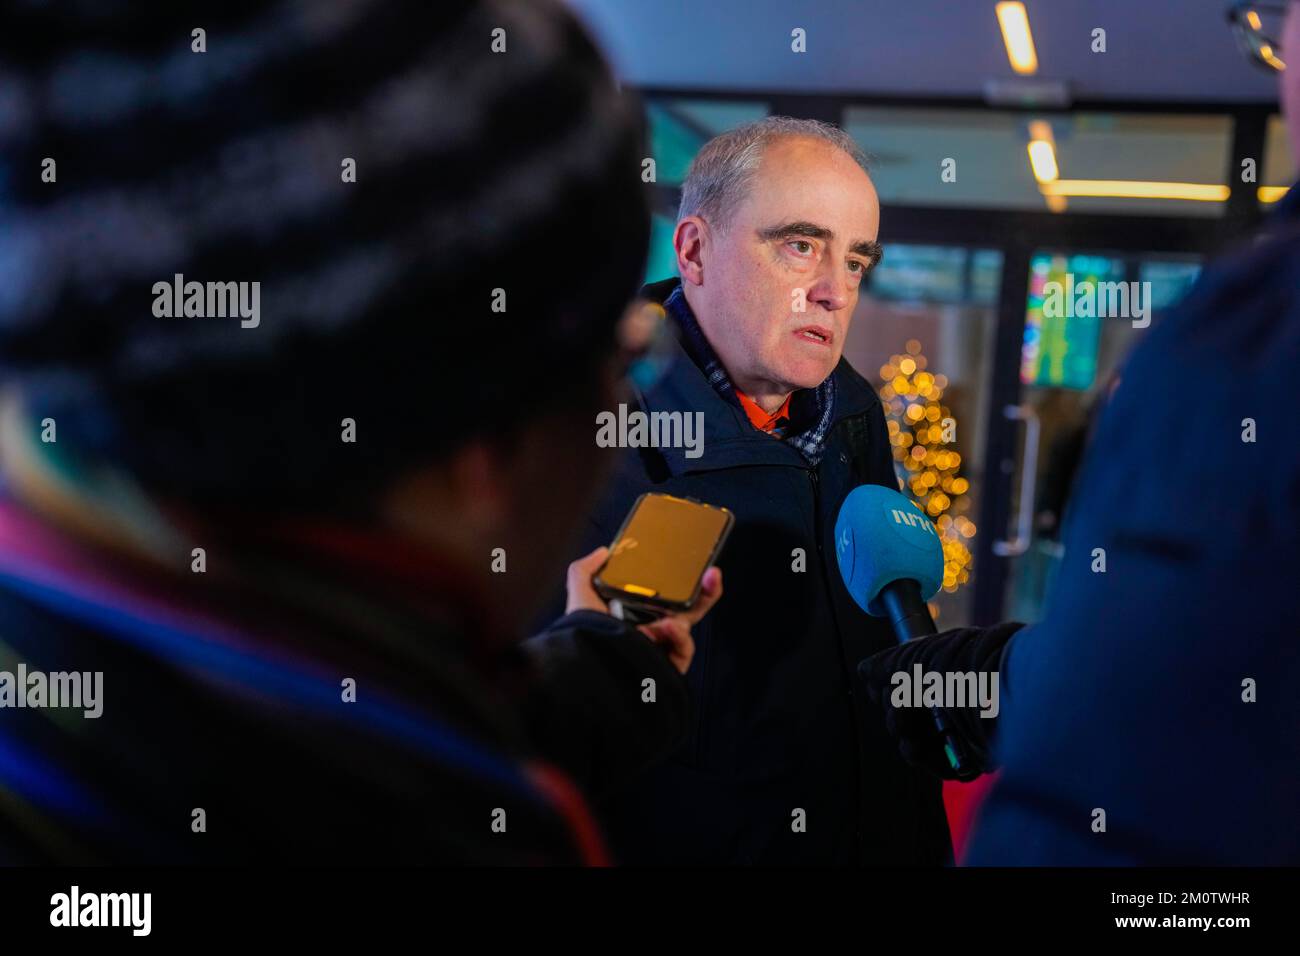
column 672, row 632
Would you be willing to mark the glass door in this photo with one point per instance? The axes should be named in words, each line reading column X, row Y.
column 1084, row 313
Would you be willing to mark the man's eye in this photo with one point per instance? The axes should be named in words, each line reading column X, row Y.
column 857, row 266
column 802, row 246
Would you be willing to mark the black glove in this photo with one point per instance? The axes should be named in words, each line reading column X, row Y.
column 962, row 649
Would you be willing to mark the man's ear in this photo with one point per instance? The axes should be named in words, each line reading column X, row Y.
column 689, row 239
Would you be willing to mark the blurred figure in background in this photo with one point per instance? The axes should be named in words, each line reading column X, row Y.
column 298, row 539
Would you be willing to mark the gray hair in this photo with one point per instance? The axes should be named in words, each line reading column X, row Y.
column 724, row 167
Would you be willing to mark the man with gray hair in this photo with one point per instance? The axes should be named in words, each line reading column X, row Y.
column 785, row 762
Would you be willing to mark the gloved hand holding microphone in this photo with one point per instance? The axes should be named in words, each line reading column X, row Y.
column 939, row 691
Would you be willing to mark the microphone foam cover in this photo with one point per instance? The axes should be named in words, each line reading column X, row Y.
column 882, row 537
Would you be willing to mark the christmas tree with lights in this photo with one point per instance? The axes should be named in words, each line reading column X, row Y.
column 921, row 431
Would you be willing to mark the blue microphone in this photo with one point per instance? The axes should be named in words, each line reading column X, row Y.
column 891, row 561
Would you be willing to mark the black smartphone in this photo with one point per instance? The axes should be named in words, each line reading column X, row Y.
column 658, row 559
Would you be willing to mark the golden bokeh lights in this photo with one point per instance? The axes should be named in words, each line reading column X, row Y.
column 918, row 423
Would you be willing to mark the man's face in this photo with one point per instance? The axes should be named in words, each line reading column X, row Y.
column 804, row 235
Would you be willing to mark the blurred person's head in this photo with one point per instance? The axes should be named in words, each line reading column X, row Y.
column 456, row 299
column 774, row 215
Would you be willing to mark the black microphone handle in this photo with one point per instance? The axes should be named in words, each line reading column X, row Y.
column 907, row 611
column 911, row 619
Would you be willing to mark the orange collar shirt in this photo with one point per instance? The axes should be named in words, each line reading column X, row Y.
column 774, row 424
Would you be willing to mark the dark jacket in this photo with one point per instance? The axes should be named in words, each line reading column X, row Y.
column 1129, row 698
column 778, row 726
column 234, row 703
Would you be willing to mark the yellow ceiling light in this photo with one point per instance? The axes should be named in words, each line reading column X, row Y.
column 1043, row 160
column 1272, row 193
column 1134, row 189
column 1268, row 56
column 1015, row 34
column 1057, row 203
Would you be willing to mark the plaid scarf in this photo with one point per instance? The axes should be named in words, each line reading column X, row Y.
column 811, row 442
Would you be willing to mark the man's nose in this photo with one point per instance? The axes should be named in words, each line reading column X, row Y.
column 831, row 289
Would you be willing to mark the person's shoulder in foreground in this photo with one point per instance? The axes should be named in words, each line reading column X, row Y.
column 202, row 736
column 1153, row 717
